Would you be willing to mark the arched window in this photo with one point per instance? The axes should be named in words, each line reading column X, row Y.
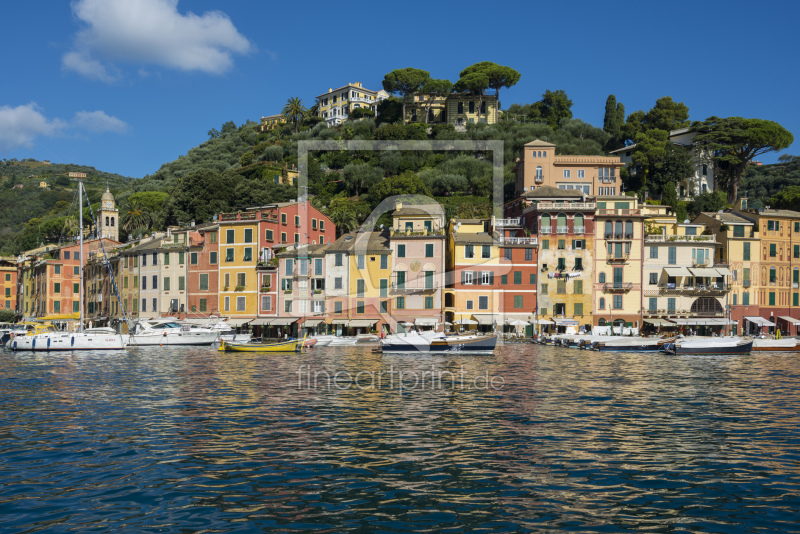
column 544, row 154
column 539, row 154
column 539, row 172
column 601, row 321
column 706, row 305
column 619, row 322
column 561, row 221
column 545, row 222
column 112, row 221
column 578, row 222
column 618, row 228
column 609, row 229
column 629, row 228
column 602, row 278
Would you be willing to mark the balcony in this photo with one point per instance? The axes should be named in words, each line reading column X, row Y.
column 519, row 240
column 507, row 222
column 539, row 179
column 711, row 290
column 623, row 258
column 680, row 238
column 618, row 287
column 545, row 229
column 620, row 212
column 562, row 229
column 566, row 206
column 578, row 229
column 705, row 262
column 419, row 284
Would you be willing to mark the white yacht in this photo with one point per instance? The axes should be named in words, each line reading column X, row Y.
column 168, row 332
column 227, row 333
column 45, row 338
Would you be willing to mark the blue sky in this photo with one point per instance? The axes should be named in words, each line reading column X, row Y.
column 127, row 85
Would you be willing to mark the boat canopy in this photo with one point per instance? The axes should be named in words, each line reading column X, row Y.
column 760, row 321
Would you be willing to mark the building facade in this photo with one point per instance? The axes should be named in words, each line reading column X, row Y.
column 336, row 105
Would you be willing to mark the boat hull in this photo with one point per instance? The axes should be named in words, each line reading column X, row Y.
column 67, row 342
column 284, row 346
column 173, row 338
column 482, row 344
column 741, row 348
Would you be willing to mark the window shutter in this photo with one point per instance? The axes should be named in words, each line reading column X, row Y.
column 491, row 278
column 463, row 277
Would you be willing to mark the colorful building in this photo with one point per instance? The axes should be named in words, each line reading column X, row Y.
column 8, row 283
column 539, row 166
column 272, row 122
column 473, row 263
column 202, row 275
column 238, row 248
column 458, row 109
column 336, row 105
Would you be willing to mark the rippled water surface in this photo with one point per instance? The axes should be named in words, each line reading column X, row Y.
column 186, row 440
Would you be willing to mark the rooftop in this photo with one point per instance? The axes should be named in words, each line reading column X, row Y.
column 548, row 191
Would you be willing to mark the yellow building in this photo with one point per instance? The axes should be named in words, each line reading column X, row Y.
column 370, row 280
column 44, row 185
column 238, row 251
column 272, row 122
column 473, row 261
column 336, row 105
column 618, row 238
column 458, row 109
column 738, row 250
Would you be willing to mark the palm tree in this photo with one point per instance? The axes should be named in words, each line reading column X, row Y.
column 134, row 216
column 293, row 111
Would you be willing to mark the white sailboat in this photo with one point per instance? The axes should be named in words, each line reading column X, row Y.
column 45, row 338
column 168, row 332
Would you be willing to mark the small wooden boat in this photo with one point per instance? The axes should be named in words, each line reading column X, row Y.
column 776, row 345
column 292, row 345
column 309, row 343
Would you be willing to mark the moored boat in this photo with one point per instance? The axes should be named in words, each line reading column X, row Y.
column 415, row 342
column 292, row 345
column 632, row 344
column 165, row 332
column 776, row 345
column 45, row 338
column 721, row 346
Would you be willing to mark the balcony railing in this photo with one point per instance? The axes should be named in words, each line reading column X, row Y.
column 578, row 229
column 507, row 222
column 519, row 240
column 680, row 238
column 545, row 229
column 618, row 286
column 623, row 257
column 566, row 206
column 562, row 229
column 705, row 262
column 419, row 284
column 620, row 211
column 676, row 289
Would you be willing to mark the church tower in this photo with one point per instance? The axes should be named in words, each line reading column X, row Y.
column 108, row 216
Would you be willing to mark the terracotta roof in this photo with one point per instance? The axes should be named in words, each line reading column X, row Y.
column 539, row 142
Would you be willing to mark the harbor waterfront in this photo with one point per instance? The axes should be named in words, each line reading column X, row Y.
column 167, row 439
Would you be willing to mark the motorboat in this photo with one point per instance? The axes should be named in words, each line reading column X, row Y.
column 335, row 340
column 11, row 332
column 227, row 333
column 291, row 345
column 721, row 345
column 632, row 344
column 776, row 345
column 45, row 338
column 367, row 338
column 161, row 332
column 429, row 341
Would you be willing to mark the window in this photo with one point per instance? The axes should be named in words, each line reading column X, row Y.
column 517, row 277
column 337, row 306
column 518, row 301
column 360, row 288
column 204, row 282
column 528, row 254
column 384, row 261
column 486, row 251
column 360, row 306
column 691, row 230
column 283, row 237
column 577, row 287
column 654, row 252
column 428, row 251
column 562, row 264
column 562, row 244
column 401, row 251
column 797, row 251
column 773, row 250
column 76, row 270
column 289, row 269
column 671, row 305
column 181, row 283
column 144, row 284
column 745, row 299
column 546, row 244
column 248, row 254
column 504, row 279
column 461, row 107
column 228, row 254
column 248, row 235
column 602, row 303
column 578, row 309
column 545, row 289
column 653, row 279
column 533, row 279
column 772, row 298
column 566, row 173
column 287, row 305
column 57, row 269
column 296, row 238
column 401, row 303
column 652, row 305
column 602, row 278
column 577, row 244
column 230, row 236
column 467, row 277
column 483, row 303
column 581, row 173
column 212, row 258
column 428, row 303
column 672, row 256
column 268, row 235
column 384, row 287
column 337, row 283
column 360, row 261
column 155, row 281
column 166, row 283
column 193, row 258
column 338, row 260
column 772, row 275
column 283, row 218
column 135, row 281
column 738, row 231
column 56, row 288
column 617, row 302
column 746, row 252
column 155, row 304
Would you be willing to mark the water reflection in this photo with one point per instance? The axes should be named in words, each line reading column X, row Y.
column 168, row 439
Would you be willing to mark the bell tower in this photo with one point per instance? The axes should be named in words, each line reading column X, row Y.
column 108, row 216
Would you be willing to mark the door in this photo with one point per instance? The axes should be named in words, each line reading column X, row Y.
column 617, row 277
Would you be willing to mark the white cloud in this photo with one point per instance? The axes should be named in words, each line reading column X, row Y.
column 151, row 32
column 20, row 126
column 99, row 122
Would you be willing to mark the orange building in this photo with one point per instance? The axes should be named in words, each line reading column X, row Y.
column 8, row 283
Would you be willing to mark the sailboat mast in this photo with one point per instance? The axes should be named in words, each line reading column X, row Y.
column 80, row 241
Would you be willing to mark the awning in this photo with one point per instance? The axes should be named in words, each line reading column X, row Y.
column 362, row 323
column 705, row 273
column 760, row 321
column 659, row 322
column 311, row 323
column 543, row 321
column 723, row 271
column 699, row 321
column 677, row 271
column 466, row 321
column 282, row 321
column 238, row 322
column 790, row 320
column 426, row 321
column 342, row 322
column 484, row 319
column 259, row 322
column 565, row 322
